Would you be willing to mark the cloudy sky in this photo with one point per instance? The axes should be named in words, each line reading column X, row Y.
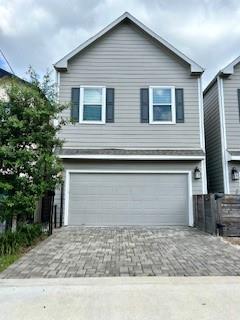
column 40, row 32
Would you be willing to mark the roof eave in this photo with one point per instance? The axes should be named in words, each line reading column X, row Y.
column 229, row 69
column 62, row 64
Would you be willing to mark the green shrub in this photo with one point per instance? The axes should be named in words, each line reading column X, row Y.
column 24, row 236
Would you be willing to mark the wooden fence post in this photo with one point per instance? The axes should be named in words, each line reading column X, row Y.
column 213, row 206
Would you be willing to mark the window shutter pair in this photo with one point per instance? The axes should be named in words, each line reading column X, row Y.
column 75, row 99
column 144, row 102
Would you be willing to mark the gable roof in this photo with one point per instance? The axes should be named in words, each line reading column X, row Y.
column 63, row 63
column 225, row 72
column 229, row 69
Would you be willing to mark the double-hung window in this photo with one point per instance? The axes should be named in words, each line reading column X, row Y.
column 162, row 105
column 92, row 104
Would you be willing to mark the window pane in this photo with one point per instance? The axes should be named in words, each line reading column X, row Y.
column 92, row 96
column 162, row 113
column 92, row 112
column 161, row 96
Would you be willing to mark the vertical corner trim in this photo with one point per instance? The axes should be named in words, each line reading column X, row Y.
column 66, row 197
column 223, row 135
column 201, row 115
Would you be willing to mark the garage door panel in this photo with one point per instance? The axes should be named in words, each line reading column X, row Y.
column 128, row 199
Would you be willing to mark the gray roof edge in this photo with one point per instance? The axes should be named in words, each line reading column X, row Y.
column 172, row 152
column 63, row 63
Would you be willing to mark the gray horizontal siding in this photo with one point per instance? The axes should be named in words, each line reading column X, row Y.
column 127, row 60
column 138, row 165
column 230, row 86
column 213, row 140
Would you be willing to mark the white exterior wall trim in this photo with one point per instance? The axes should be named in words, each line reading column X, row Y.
column 223, row 135
column 145, row 148
column 70, row 171
column 234, row 158
column 173, row 105
column 130, row 157
column 204, row 176
column 202, row 135
column 201, row 116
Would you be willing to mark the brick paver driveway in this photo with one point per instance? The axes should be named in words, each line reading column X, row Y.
column 90, row 252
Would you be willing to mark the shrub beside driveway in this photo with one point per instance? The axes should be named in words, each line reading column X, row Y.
column 14, row 244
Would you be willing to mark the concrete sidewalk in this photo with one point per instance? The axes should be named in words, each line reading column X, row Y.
column 124, row 298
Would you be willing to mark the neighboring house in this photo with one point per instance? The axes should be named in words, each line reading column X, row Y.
column 135, row 154
column 4, row 76
column 222, row 128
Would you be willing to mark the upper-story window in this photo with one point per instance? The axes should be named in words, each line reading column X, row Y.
column 92, row 104
column 162, row 105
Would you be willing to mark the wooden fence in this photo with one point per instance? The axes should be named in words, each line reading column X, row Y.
column 216, row 214
column 229, row 215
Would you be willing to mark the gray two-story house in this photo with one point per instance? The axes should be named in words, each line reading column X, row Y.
column 135, row 153
column 222, row 128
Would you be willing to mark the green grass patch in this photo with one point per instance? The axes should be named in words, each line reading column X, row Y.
column 14, row 244
column 6, row 261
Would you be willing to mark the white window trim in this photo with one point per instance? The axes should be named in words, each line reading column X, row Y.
column 173, row 107
column 103, row 114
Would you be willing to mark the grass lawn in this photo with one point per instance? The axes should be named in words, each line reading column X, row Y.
column 7, row 260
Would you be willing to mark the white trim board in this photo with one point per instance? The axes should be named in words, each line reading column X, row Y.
column 103, row 105
column 68, row 172
column 234, row 158
column 223, row 135
column 201, row 114
column 142, row 149
column 229, row 69
column 172, row 104
column 130, row 157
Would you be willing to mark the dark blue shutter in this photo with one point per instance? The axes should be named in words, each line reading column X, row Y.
column 179, row 100
column 109, row 105
column 75, row 104
column 144, row 105
column 239, row 102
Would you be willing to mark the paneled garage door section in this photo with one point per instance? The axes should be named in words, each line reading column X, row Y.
column 103, row 199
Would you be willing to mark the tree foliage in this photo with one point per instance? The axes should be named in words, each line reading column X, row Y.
column 28, row 138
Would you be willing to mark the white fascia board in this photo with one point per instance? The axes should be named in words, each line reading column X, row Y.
column 234, row 158
column 130, row 157
column 229, row 69
column 201, row 114
column 63, row 63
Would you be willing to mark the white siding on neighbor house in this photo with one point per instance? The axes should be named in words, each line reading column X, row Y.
column 230, row 86
column 234, row 186
column 126, row 59
column 213, row 140
column 135, row 166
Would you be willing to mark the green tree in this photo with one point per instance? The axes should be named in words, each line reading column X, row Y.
column 28, row 137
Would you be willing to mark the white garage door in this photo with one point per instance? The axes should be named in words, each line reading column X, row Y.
column 128, row 199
